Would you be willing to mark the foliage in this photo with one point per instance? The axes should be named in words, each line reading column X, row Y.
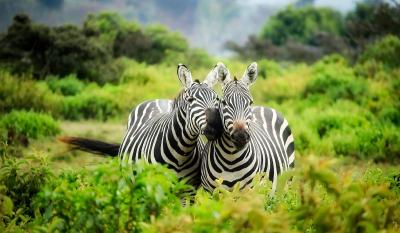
column 333, row 108
column 108, row 199
column 89, row 106
column 308, row 33
column 147, row 198
column 17, row 93
column 90, row 51
column 316, row 200
column 69, row 85
column 296, row 34
column 385, row 51
column 20, row 181
column 60, row 50
column 369, row 22
column 197, row 57
column 29, row 124
column 104, row 27
column 301, row 24
column 335, row 80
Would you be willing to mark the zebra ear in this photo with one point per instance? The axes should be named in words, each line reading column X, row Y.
column 184, row 76
column 222, row 73
column 216, row 74
column 250, row 75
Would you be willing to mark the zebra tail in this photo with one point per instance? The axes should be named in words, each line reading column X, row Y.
column 92, row 146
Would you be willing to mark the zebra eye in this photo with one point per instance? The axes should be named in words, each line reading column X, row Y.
column 251, row 102
column 223, row 102
column 190, row 99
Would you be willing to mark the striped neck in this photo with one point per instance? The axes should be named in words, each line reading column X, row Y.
column 226, row 146
column 180, row 134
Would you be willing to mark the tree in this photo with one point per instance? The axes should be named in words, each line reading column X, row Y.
column 301, row 24
column 29, row 47
column 369, row 22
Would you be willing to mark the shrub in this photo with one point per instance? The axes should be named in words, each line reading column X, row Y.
column 88, row 106
column 20, row 181
column 147, row 198
column 336, row 81
column 69, row 85
column 136, row 72
column 23, row 93
column 282, row 83
column 267, row 68
column 109, row 199
column 192, row 57
column 390, row 114
column 385, row 51
column 30, row 124
column 317, row 200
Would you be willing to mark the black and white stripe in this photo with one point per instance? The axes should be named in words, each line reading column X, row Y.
column 255, row 139
column 167, row 132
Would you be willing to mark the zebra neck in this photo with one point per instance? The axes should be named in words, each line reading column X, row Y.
column 180, row 133
column 226, row 147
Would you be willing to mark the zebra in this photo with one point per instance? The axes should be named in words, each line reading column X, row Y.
column 168, row 132
column 255, row 139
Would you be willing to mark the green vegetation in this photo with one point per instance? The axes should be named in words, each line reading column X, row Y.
column 147, row 198
column 309, row 33
column 90, row 51
column 302, row 24
column 28, row 124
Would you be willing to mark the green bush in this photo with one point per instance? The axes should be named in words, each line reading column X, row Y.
column 192, row 57
column 317, row 200
column 20, row 181
column 390, row 114
column 30, row 124
column 385, row 51
column 148, row 198
column 69, row 85
column 267, row 68
column 89, row 106
column 108, row 199
column 23, row 93
column 335, row 81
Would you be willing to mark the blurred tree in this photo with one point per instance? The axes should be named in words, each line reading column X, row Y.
column 297, row 34
column 24, row 46
column 308, row 33
column 28, row 47
column 164, row 40
column 87, row 52
column 133, row 44
column 301, row 24
column 369, row 22
column 73, row 53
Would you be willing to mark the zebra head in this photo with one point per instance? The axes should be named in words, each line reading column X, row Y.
column 199, row 101
column 235, row 106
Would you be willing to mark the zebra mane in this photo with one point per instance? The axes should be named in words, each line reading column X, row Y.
column 178, row 99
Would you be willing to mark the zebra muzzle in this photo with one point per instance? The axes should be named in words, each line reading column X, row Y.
column 214, row 127
column 240, row 138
